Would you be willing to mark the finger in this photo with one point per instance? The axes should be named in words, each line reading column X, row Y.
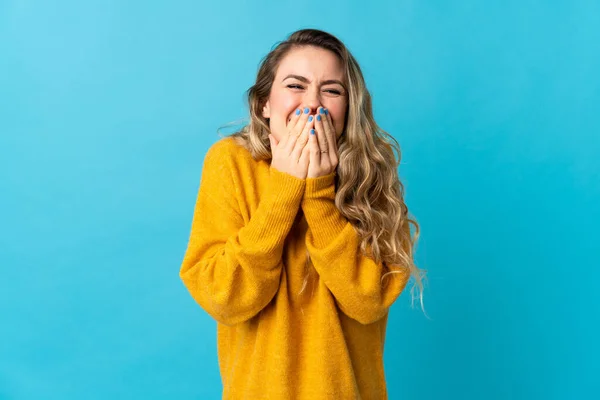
column 290, row 143
column 304, row 157
column 293, row 120
column 301, row 116
column 328, row 156
column 321, row 135
column 300, row 144
column 282, row 143
column 329, row 132
column 315, row 152
column 298, row 129
column 310, row 123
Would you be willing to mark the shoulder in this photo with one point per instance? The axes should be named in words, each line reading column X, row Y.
column 227, row 150
column 227, row 160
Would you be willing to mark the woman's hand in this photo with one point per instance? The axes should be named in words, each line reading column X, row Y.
column 291, row 154
column 323, row 146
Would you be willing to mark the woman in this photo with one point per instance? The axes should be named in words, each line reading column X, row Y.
column 306, row 195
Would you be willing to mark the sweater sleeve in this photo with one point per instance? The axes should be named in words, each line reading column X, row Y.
column 334, row 247
column 231, row 268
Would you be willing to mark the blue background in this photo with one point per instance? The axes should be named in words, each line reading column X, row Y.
column 108, row 107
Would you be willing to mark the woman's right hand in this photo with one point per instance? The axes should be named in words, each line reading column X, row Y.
column 291, row 154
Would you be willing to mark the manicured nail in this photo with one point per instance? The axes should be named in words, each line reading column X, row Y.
column 322, row 111
column 312, row 131
column 326, row 112
column 310, row 118
column 298, row 112
column 318, row 117
column 306, row 110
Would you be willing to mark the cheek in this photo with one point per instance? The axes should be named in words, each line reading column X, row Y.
column 282, row 105
column 338, row 115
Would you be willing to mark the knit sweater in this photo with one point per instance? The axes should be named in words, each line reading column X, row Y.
column 245, row 263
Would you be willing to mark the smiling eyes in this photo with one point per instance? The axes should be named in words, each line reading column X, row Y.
column 333, row 91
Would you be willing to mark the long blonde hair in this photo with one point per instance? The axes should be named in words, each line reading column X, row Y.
column 368, row 191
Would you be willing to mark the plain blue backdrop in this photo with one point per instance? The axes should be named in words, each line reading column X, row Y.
column 108, row 107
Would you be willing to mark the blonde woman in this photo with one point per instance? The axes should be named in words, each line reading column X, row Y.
column 300, row 240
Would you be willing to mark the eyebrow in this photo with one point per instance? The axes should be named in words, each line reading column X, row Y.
column 305, row 80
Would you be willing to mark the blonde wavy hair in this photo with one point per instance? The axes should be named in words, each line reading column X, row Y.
column 368, row 191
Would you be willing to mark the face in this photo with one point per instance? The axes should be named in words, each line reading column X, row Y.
column 307, row 77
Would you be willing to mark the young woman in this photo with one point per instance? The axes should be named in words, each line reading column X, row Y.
column 306, row 196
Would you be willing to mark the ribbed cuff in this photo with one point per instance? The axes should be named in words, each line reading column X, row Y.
column 277, row 210
column 285, row 192
column 324, row 219
column 318, row 187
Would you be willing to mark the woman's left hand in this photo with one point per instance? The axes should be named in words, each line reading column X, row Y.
column 323, row 146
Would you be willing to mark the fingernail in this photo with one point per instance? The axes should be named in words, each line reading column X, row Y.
column 326, row 112
column 322, row 111
column 306, row 110
column 310, row 118
column 298, row 112
column 312, row 131
column 318, row 117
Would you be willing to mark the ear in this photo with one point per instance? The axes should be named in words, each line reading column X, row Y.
column 266, row 112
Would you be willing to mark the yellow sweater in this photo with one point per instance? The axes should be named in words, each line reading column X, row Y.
column 245, row 265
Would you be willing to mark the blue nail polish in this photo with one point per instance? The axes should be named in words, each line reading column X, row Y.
column 322, row 111
column 312, row 131
column 298, row 112
column 310, row 118
column 326, row 112
column 306, row 110
column 318, row 117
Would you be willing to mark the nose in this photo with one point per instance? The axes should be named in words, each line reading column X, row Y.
column 312, row 100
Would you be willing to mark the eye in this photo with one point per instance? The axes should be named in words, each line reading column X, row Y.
column 300, row 87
